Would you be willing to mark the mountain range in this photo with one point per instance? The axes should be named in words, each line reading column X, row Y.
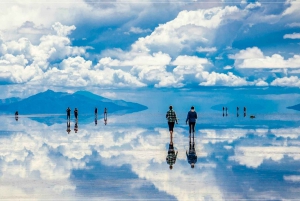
column 50, row 102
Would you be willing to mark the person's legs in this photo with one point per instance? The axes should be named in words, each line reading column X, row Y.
column 190, row 128
column 193, row 126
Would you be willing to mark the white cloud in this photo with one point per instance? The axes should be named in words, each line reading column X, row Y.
column 292, row 81
column 62, row 30
column 109, row 94
column 189, row 29
column 293, row 8
column 254, row 58
column 249, row 53
column 292, row 36
column 261, row 83
column 189, row 64
column 254, row 156
column 206, row 49
column 227, row 67
column 253, row 5
column 292, row 178
column 220, row 79
column 138, row 30
column 293, row 24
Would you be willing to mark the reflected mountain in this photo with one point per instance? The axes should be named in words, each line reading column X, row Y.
column 294, row 107
column 54, row 104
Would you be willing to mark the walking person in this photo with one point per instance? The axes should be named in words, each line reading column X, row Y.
column 191, row 118
column 76, row 113
column 171, row 117
column 68, row 113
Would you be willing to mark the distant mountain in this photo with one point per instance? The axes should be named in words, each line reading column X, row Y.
column 50, row 102
column 294, row 107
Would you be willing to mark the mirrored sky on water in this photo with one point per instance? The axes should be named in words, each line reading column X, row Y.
column 238, row 158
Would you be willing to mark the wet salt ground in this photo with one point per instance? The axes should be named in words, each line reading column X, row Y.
column 123, row 160
column 238, row 158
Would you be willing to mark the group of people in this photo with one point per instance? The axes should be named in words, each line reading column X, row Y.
column 191, row 153
column 225, row 109
column 76, row 118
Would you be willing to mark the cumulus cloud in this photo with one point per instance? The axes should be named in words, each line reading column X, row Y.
column 189, row 29
column 261, row 83
column 292, row 81
column 254, row 156
column 292, row 36
column 254, row 58
column 48, row 160
column 220, row 79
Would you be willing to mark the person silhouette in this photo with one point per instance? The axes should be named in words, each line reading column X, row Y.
column 16, row 115
column 191, row 118
column 171, row 157
column 171, row 117
column 245, row 110
column 76, row 113
column 68, row 127
column 191, row 155
column 105, row 116
column 68, row 113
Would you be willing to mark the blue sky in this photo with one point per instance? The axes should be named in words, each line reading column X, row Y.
column 129, row 44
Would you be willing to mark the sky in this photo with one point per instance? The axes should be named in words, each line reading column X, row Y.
column 150, row 44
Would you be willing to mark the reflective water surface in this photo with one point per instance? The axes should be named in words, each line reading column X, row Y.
column 238, row 158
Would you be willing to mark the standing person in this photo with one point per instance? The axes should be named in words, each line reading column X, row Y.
column 16, row 115
column 68, row 113
column 96, row 111
column 191, row 118
column 76, row 113
column 171, row 116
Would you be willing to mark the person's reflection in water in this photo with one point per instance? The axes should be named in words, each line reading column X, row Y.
column 68, row 127
column 105, row 116
column 16, row 115
column 96, row 116
column 191, row 155
column 76, row 126
column 171, row 157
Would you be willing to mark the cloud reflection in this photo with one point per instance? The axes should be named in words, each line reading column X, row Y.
column 38, row 161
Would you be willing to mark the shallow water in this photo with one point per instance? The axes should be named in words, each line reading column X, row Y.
column 238, row 158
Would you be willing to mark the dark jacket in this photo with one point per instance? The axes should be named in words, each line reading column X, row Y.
column 191, row 157
column 191, row 117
